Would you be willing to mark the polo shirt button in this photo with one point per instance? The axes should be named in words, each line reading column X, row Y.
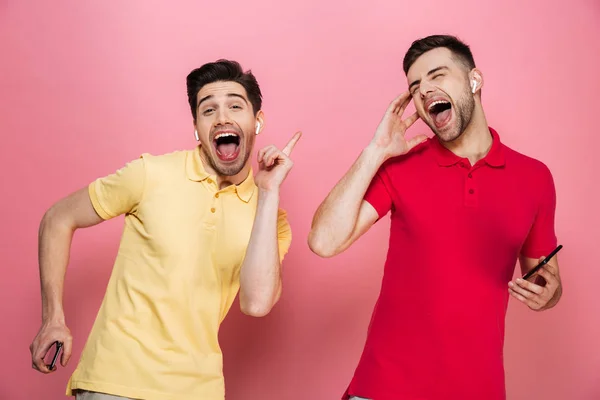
column 470, row 175
column 212, row 210
column 471, row 191
column 217, row 195
column 209, row 181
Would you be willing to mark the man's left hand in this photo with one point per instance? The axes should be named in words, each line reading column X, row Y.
column 274, row 165
column 537, row 294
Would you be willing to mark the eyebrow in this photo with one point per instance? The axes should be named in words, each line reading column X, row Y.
column 228, row 95
column 433, row 71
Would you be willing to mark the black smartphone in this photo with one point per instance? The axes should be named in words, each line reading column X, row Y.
column 52, row 364
column 541, row 264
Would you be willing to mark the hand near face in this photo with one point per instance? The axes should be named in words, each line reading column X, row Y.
column 390, row 137
column 274, row 164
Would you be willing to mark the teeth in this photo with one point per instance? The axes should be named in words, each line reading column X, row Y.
column 436, row 102
column 226, row 134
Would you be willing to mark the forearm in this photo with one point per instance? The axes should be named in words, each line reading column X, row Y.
column 260, row 276
column 336, row 217
column 53, row 252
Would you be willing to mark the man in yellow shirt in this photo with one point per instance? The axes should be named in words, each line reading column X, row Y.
column 199, row 227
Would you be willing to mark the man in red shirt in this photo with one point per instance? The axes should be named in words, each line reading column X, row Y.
column 464, row 208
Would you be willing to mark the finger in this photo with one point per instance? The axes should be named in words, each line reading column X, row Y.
column 273, row 157
column 531, row 304
column 523, row 292
column 402, row 106
column 552, row 266
column 397, row 102
column 41, row 366
column 267, row 156
column 549, row 277
column 416, row 140
column 532, row 287
column 261, row 152
column 38, row 357
column 287, row 150
column 411, row 120
column 67, row 349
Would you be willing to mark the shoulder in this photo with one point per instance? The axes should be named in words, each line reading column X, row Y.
column 414, row 159
column 174, row 157
column 162, row 167
column 526, row 164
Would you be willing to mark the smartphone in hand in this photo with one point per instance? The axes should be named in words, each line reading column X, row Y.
column 542, row 263
column 52, row 365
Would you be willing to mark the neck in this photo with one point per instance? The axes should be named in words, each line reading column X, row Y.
column 475, row 141
column 226, row 180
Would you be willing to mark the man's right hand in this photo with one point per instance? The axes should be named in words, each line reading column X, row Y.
column 390, row 138
column 49, row 333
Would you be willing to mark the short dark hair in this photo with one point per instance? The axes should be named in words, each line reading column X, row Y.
column 222, row 70
column 459, row 49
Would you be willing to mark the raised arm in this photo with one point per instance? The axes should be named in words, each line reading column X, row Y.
column 344, row 215
column 260, row 275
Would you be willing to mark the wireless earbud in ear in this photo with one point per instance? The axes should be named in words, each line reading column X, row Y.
column 473, row 85
column 257, row 128
column 196, row 135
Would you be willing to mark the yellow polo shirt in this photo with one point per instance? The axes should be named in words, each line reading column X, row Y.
column 175, row 278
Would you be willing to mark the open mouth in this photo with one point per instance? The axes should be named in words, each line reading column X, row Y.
column 441, row 112
column 227, row 145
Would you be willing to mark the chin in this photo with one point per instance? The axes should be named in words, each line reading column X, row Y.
column 448, row 136
column 230, row 168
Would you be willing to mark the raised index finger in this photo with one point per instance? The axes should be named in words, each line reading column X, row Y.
column 287, row 150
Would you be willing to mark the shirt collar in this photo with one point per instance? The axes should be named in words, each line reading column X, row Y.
column 195, row 171
column 494, row 157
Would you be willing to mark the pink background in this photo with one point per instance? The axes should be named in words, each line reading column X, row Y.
column 87, row 87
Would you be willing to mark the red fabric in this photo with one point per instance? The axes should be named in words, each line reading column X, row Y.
column 437, row 330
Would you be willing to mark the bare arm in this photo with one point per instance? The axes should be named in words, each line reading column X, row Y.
column 260, row 276
column 55, row 235
column 344, row 216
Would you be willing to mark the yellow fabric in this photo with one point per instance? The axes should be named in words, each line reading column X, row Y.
column 175, row 278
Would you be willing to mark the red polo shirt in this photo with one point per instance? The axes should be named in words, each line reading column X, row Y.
column 437, row 330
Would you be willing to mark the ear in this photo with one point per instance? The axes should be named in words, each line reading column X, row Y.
column 260, row 119
column 196, row 136
column 476, row 78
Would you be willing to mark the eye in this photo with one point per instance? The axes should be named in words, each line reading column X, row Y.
column 437, row 76
column 208, row 111
column 237, row 106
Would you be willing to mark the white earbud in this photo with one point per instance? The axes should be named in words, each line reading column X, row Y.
column 473, row 85
column 196, row 135
column 257, row 128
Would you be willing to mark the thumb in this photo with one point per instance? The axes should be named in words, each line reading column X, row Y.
column 66, row 355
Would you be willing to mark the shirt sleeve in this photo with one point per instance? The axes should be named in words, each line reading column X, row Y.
column 120, row 192
column 378, row 194
column 541, row 239
column 284, row 234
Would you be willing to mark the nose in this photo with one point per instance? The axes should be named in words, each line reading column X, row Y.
column 223, row 117
column 425, row 88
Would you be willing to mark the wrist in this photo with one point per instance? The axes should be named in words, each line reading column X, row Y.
column 53, row 315
column 375, row 153
column 268, row 193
